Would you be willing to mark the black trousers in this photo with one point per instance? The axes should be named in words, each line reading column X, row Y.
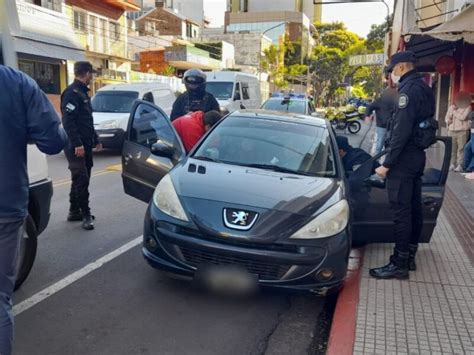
column 80, row 176
column 404, row 194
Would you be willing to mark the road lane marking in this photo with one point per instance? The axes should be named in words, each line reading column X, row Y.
column 75, row 276
column 107, row 170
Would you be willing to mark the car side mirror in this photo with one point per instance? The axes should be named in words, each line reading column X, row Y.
column 162, row 150
column 375, row 181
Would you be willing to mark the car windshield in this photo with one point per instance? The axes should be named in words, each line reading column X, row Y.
column 114, row 101
column 220, row 89
column 293, row 106
column 289, row 147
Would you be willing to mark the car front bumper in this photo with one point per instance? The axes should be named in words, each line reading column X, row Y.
column 111, row 138
column 297, row 267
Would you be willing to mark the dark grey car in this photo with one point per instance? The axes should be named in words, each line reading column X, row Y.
column 263, row 198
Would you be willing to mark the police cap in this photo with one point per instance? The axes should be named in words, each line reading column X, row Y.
column 82, row 68
column 401, row 57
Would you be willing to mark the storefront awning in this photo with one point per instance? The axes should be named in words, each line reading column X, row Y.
column 28, row 46
column 459, row 27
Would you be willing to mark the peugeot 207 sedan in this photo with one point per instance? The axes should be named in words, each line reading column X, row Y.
column 261, row 200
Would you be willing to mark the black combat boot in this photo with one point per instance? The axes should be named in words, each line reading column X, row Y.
column 397, row 268
column 88, row 223
column 74, row 216
column 412, row 249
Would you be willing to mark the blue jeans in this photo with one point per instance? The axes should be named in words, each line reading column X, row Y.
column 10, row 232
column 381, row 133
column 469, row 154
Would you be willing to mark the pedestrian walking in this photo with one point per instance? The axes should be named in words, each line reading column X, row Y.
column 196, row 98
column 404, row 164
column 383, row 108
column 457, row 121
column 26, row 116
column 79, row 124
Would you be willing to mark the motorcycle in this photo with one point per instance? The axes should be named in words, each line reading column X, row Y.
column 347, row 118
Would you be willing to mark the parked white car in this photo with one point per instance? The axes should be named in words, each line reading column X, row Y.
column 234, row 90
column 112, row 104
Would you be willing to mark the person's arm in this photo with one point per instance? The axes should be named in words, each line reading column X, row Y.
column 43, row 124
column 449, row 116
column 402, row 127
column 372, row 107
column 177, row 110
column 70, row 108
column 466, row 114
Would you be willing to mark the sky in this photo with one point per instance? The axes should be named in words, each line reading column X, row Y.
column 357, row 17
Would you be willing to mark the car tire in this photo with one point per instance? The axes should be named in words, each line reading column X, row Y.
column 27, row 252
column 354, row 127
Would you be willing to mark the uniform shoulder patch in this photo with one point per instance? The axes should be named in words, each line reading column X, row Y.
column 70, row 107
column 403, row 101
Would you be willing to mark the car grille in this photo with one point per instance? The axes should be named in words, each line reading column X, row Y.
column 264, row 270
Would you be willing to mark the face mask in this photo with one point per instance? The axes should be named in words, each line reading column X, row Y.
column 395, row 78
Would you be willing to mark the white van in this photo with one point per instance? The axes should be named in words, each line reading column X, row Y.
column 234, row 90
column 111, row 107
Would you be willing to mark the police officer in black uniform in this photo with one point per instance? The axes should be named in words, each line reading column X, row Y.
column 404, row 164
column 78, row 122
column 196, row 98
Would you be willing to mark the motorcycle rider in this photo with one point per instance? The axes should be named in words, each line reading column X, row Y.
column 196, row 98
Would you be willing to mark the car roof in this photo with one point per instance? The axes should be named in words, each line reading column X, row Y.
column 280, row 98
column 281, row 116
column 136, row 87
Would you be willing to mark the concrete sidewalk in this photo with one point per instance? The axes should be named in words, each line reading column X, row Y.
column 433, row 312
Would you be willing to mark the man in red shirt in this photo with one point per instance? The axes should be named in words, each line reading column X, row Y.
column 192, row 126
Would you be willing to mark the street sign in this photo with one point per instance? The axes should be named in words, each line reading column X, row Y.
column 367, row 59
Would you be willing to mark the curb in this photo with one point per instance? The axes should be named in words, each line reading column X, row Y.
column 343, row 327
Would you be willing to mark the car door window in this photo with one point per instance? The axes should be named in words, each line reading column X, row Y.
column 148, row 97
column 245, row 91
column 237, row 92
column 150, row 125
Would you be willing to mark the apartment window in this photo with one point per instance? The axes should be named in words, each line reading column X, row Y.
column 189, row 30
column 46, row 75
column 150, row 26
column 80, row 21
column 114, row 31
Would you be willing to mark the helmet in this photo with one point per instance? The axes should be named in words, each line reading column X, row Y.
column 195, row 80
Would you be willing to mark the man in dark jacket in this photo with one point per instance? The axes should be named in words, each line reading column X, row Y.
column 404, row 164
column 79, row 125
column 352, row 157
column 383, row 108
column 26, row 116
column 196, row 98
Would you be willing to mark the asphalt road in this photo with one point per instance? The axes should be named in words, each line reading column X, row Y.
column 125, row 307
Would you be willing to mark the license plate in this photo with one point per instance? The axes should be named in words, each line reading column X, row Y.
column 228, row 279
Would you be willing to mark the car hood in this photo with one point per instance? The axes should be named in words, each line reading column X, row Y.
column 106, row 117
column 243, row 186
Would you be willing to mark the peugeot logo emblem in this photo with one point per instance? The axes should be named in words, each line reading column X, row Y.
column 239, row 219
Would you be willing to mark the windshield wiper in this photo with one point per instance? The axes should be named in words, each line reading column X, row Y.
column 207, row 159
column 277, row 168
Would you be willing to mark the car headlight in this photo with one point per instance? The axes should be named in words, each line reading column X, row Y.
column 167, row 200
column 109, row 125
column 331, row 222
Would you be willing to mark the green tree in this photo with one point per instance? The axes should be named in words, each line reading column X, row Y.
column 168, row 71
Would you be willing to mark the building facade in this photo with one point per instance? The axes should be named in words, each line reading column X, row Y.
column 44, row 41
column 191, row 9
column 101, row 27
